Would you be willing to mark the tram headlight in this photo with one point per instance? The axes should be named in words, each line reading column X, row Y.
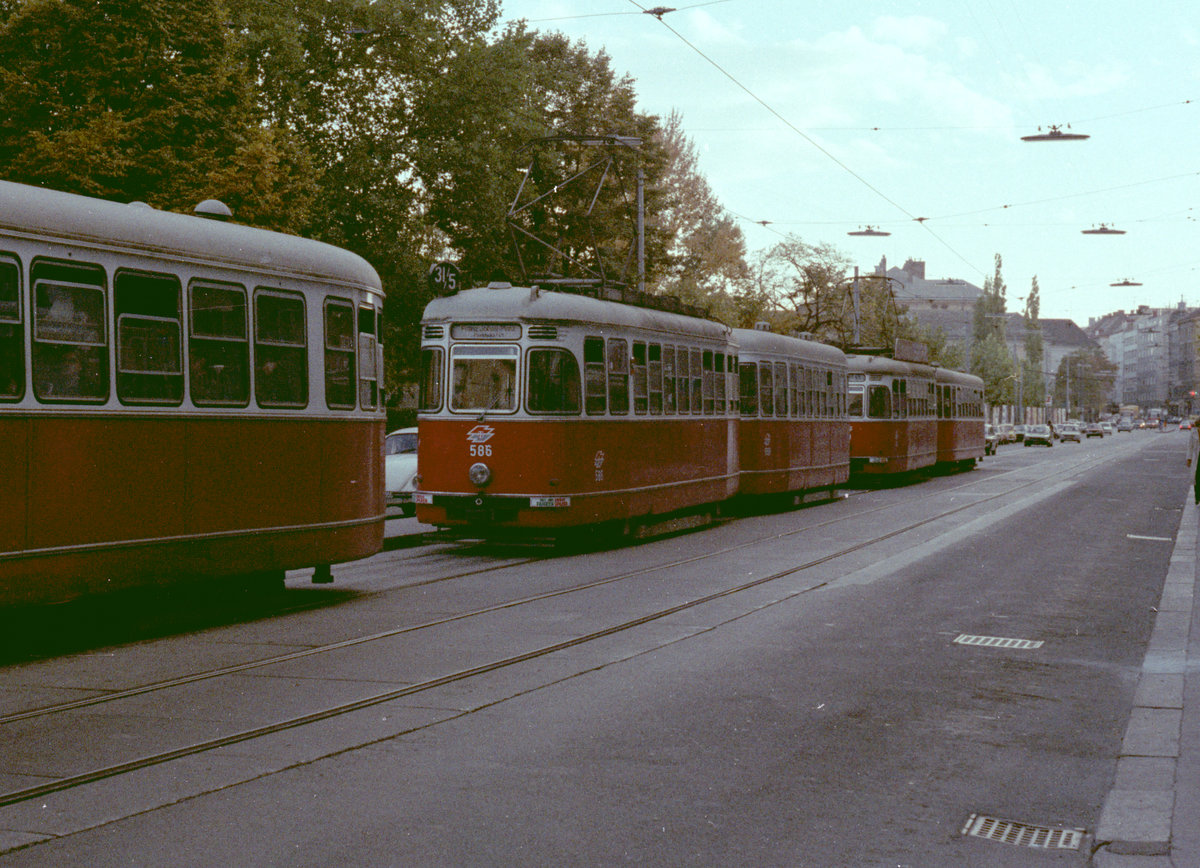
column 479, row 474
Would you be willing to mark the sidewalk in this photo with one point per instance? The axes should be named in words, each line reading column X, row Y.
column 1151, row 817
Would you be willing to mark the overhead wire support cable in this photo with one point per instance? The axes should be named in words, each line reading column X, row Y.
column 919, row 220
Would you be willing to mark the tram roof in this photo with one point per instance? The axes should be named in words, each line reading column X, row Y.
column 887, row 365
column 755, row 341
column 506, row 302
column 69, row 218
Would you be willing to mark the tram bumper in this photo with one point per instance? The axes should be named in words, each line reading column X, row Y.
column 483, row 510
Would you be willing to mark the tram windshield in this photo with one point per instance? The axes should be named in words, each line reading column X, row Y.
column 484, row 378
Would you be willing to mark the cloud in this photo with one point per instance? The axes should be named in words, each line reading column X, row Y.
column 914, row 32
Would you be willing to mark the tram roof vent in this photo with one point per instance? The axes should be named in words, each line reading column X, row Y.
column 762, row 326
column 213, row 209
column 499, row 284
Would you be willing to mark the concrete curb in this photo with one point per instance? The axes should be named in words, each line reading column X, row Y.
column 1139, row 810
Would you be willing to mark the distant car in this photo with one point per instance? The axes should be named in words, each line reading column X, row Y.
column 1069, row 432
column 1019, row 431
column 1125, row 425
column 1038, row 435
column 1107, row 428
column 991, row 439
column 400, row 469
column 1092, row 429
column 1185, row 425
column 1008, row 433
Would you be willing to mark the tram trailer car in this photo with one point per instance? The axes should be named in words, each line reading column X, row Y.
column 543, row 411
column 793, row 435
column 905, row 416
column 180, row 397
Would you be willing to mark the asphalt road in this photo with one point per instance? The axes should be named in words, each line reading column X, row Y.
column 824, row 718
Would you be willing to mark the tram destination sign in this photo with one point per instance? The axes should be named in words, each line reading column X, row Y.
column 486, row 331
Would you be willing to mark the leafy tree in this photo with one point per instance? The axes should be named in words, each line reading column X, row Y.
column 800, row 287
column 1083, row 382
column 706, row 259
column 142, row 101
column 1032, row 381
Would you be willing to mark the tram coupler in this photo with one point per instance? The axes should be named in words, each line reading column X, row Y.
column 323, row 574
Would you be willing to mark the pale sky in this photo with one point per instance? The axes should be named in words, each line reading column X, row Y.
column 825, row 118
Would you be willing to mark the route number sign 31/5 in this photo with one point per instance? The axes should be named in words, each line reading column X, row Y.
column 443, row 278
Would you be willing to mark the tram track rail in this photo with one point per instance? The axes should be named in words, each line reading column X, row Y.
column 204, row 745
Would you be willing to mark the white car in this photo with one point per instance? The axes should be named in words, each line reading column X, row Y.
column 400, row 469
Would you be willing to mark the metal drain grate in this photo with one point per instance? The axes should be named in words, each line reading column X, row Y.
column 998, row 642
column 1022, row 834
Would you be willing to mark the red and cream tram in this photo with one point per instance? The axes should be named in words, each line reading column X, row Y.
column 179, row 397
column 544, row 410
column 905, row 416
column 793, row 434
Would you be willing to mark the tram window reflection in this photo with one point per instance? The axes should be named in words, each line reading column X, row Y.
column 12, row 337
column 483, row 379
column 280, row 351
column 339, row 354
column 219, row 347
column 553, row 382
column 70, row 337
column 149, row 337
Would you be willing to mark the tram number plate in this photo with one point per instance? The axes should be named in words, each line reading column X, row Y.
column 549, row 502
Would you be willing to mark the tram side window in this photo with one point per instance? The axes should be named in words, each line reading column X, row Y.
column 219, row 346
column 854, row 407
column 595, row 385
column 766, row 389
column 682, row 380
column 618, row 377
column 70, row 333
column 339, row 354
column 368, row 358
column 640, row 378
column 749, row 389
column 430, row 398
column 149, row 338
column 484, row 378
column 656, row 379
column 697, row 390
column 553, row 382
column 719, row 383
column 707, row 386
column 280, row 350
column 879, row 404
column 12, row 335
column 780, row 389
column 668, row 366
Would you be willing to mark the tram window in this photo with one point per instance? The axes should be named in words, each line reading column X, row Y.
column 682, row 380
column 640, row 378
column 219, row 346
column 879, row 405
column 430, row 397
column 766, row 389
column 707, row 387
column 854, row 408
column 368, row 359
column 553, row 382
column 149, row 338
column 594, row 374
column 12, row 335
column 668, row 366
column 655, row 367
column 749, row 389
column 484, row 378
column 720, row 383
column 697, row 390
column 618, row 377
column 280, row 350
column 813, row 402
column 70, row 333
column 339, row 354
column 781, row 386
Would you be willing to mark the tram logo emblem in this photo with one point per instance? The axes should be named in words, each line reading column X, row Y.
column 480, row 434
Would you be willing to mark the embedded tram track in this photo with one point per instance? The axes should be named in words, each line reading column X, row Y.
column 204, row 745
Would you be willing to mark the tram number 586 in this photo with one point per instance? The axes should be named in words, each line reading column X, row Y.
column 481, row 450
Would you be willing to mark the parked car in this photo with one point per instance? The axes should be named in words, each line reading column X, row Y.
column 1008, row 433
column 991, row 439
column 1185, row 425
column 1069, row 432
column 1126, row 424
column 400, row 469
column 1093, row 429
column 1019, row 431
column 1038, row 435
column 1107, row 428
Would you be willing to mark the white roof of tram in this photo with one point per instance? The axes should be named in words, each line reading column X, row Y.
column 27, row 211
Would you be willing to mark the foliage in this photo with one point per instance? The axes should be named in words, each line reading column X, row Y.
column 1083, row 382
column 143, row 101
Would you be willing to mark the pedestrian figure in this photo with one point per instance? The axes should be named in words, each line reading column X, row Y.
column 1193, row 455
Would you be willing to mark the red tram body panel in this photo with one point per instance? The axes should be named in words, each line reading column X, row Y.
column 179, row 398
column 545, row 411
column 793, row 435
column 906, row 416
